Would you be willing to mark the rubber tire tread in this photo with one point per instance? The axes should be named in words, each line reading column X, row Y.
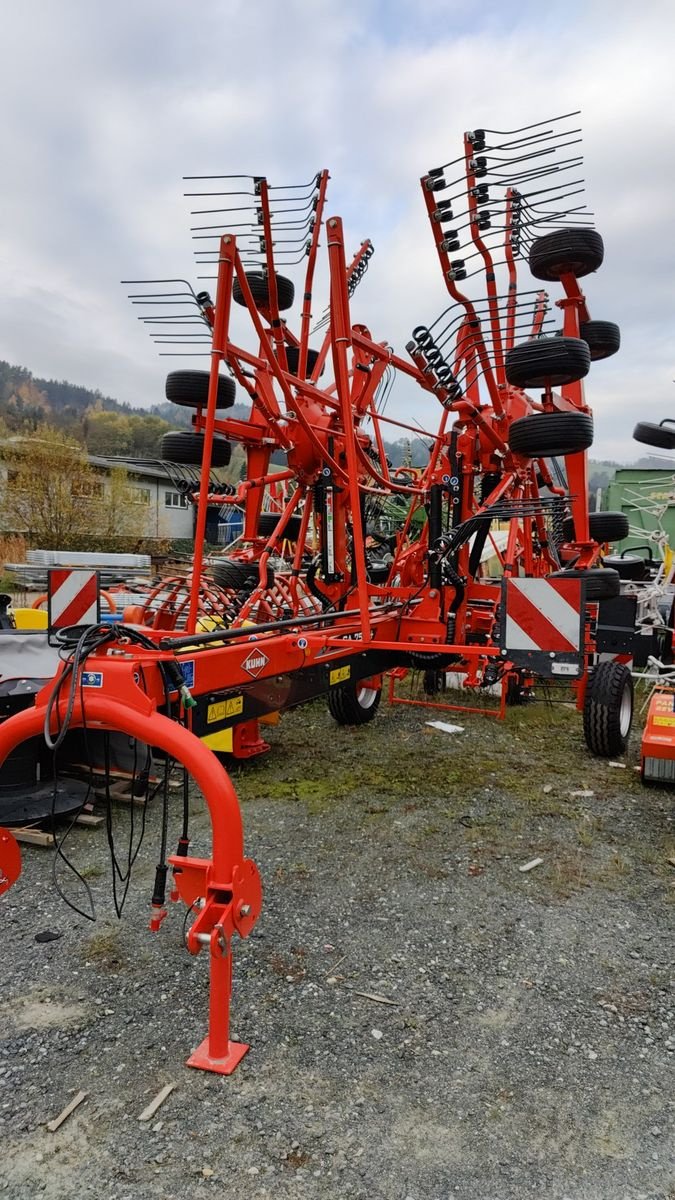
column 602, row 706
column 293, row 360
column 546, row 435
column 553, row 360
column 190, row 389
column 603, row 338
column 258, row 284
column 603, row 527
column 267, row 523
column 575, row 251
column 602, row 583
column 188, row 448
column 654, row 435
column 344, row 707
column 238, row 576
column 627, row 566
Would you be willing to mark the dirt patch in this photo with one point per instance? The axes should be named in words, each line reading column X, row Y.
column 41, row 1012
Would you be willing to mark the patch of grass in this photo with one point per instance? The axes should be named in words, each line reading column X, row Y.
column 94, row 871
column 105, row 949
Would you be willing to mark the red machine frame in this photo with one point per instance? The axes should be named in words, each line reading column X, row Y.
column 336, row 628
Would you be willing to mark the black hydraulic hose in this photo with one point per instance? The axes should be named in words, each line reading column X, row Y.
column 249, row 631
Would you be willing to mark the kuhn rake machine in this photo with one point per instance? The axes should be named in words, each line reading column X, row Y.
column 313, row 600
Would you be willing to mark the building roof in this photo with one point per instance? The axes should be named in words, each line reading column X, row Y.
column 140, row 468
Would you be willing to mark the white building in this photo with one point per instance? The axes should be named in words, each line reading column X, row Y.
column 169, row 513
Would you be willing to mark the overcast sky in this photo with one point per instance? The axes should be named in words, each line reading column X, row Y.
column 103, row 108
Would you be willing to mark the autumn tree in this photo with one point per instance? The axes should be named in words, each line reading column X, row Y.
column 54, row 497
column 107, row 433
column 49, row 483
column 119, row 510
column 145, row 435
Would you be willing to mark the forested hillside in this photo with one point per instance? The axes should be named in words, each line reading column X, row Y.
column 100, row 422
column 108, row 428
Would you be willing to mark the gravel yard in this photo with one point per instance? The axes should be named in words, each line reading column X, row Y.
column 527, row 1044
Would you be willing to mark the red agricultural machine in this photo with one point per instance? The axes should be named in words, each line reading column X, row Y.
column 313, row 600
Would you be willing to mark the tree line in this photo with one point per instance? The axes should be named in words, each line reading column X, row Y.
column 101, row 424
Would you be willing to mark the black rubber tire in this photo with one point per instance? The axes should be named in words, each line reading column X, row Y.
column 259, row 286
column 488, row 484
column 627, row 566
column 293, row 359
column 603, row 527
column 190, row 389
column 551, row 360
column 515, row 697
column 189, row 448
column 601, row 583
column 608, row 709
column 603, row 338
column 352, row 704
column 655, row 435
column 267, row 523
column 378, row 572
column 546, row 435
column 575, row 251
column 433, row 682
column 239, row 576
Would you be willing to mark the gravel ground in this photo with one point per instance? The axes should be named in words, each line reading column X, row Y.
column 529, row 1045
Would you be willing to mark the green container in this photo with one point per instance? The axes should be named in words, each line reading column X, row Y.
column 647, row 496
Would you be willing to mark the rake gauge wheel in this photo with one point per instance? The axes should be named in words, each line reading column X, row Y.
column 259, row 285
column 188, row 448
column 191, row 389
column 230, row 573
column 293, row 360
column 602, row 526
column 566, row 252
column 554, row 361
column 654, row 435
column 602, row 583
column 547, row 435
column 433, row 682
column 353, row 703
column 608, row 709
column 603, row 338
column 267, row 523
column 627, row 566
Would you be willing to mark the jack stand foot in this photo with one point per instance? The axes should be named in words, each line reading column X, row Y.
column 202, row 1059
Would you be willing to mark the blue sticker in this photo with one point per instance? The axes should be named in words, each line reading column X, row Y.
column 92, row 679
column 188, row 669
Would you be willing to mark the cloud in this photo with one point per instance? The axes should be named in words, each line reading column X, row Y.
column 104, row 109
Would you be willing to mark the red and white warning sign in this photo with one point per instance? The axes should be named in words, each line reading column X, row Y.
column 543, row 622
column 73, row 597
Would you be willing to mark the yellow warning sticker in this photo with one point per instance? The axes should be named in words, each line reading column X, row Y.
column 225, row 708
column 339, row 675
column 664, row 721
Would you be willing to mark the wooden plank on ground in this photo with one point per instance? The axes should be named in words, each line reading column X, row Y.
column 32, row 837
column 52, row 1126
column 158, row 1100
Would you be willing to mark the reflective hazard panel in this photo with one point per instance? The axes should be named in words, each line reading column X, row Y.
column 542, row 625
column 73, row 597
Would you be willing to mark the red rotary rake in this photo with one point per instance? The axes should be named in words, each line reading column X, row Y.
column 310, row 603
